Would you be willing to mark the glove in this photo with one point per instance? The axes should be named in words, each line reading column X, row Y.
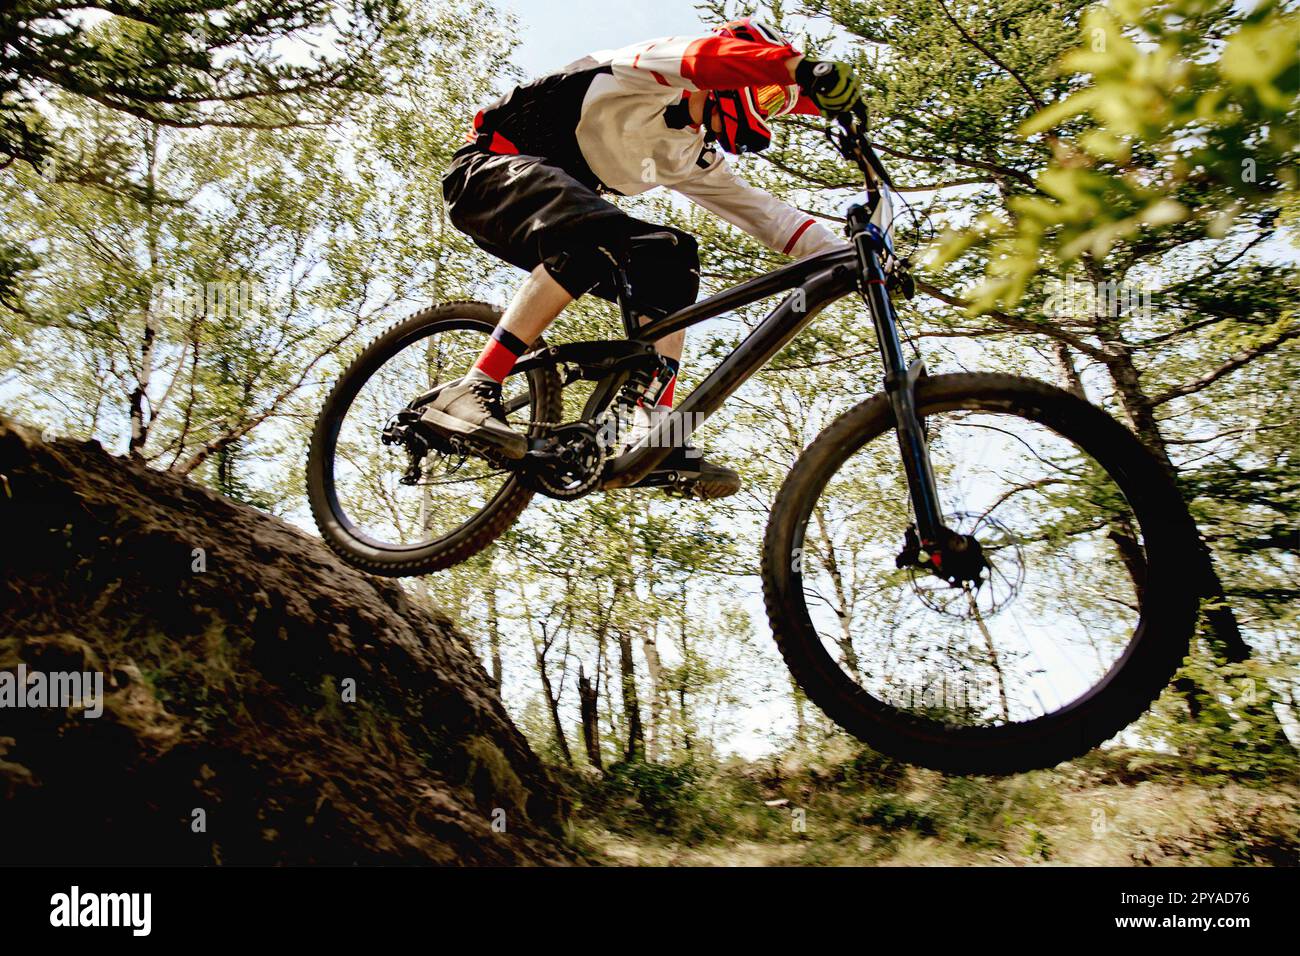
column 831, row 85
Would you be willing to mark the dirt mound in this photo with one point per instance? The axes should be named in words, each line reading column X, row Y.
column 261, row 701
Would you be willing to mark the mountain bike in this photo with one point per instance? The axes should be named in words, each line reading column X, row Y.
column 977, row 573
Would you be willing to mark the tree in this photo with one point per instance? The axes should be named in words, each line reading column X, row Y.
column 1182, row 113
column 189, row 310
column 236, row 64
column 190, row 323
column 202, row 63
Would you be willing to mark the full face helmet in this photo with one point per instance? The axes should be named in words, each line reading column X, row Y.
column 738, row 118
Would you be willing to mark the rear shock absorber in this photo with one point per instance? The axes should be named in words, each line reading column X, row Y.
column 642, row 388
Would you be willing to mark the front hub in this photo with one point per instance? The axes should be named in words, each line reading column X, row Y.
column 960, row 559
column 957, row 558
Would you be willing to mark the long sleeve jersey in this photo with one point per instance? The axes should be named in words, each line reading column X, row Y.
column 618, row 120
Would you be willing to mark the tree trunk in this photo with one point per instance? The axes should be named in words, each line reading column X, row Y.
column 631, row 705
column 1222, row 632
column 140, row 419
column 1225, row 634
column 604, row 678
column 800, row 724
column 553, row 705
column 1073, row 381
column 683, row 711
column 589, row 706
column 636, row 741
column 842, row 611
column 654, row 729
column 494, row 633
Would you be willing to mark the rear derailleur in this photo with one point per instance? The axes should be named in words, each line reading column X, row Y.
column 406, row 431
column 401, row 430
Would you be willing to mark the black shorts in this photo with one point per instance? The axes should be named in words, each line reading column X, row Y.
column 529, row 213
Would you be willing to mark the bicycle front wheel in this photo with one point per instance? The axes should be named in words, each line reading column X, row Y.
column 1086, row 606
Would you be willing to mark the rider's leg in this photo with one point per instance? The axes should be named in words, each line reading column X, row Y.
column 472, row 407
column 711, row 479
column 670, row 347
column 645, row 418
column 534, row 307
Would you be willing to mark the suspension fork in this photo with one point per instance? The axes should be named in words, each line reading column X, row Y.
column 900, row 379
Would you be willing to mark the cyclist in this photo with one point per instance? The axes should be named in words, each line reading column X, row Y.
column 528, row 189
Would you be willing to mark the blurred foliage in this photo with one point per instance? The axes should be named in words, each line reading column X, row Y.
column 201, row 63
column 1183, row 111
column 204, row 64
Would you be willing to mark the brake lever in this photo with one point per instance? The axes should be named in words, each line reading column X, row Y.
column 900, row 278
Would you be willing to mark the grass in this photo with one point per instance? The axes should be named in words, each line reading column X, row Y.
column 853, row 808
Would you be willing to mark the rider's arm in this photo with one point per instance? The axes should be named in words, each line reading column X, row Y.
column 776, row 224
column 704, row 63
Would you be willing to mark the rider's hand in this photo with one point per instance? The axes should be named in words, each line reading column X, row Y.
column 830, row 84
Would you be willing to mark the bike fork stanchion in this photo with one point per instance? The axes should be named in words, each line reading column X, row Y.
column 900, row 379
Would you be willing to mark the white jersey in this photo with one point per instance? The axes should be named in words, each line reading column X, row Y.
column 618, row 119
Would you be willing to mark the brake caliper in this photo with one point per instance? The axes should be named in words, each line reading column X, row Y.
column 960, row 558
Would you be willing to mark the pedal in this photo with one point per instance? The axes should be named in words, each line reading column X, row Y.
column 692, row 485
column 682, row 489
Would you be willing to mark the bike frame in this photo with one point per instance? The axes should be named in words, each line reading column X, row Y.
column 815, row 282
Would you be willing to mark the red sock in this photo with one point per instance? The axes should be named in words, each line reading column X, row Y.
column 666, row 396
column 498, row 356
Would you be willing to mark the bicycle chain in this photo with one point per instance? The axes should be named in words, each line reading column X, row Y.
column 611, row 451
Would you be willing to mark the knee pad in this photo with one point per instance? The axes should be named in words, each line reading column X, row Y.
column 664, row 278
column 668, row 278
column 582, row 268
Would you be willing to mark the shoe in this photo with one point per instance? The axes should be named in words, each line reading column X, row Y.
column 685, row 470
column 472, row 410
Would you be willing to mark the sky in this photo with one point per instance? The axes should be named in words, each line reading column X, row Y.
column 556, row 32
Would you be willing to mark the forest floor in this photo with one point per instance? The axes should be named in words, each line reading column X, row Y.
column 1113, row 808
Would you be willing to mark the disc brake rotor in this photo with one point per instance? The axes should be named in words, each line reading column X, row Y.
column 1001, row 582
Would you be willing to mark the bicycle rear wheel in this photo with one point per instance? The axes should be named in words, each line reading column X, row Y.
column 461, row 504
column 1087, row 604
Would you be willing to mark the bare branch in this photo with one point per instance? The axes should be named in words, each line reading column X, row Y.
column 1243, row 357
column 1017, row 323
column 1033, row 97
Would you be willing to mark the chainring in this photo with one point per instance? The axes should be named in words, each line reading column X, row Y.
column 570, row 463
